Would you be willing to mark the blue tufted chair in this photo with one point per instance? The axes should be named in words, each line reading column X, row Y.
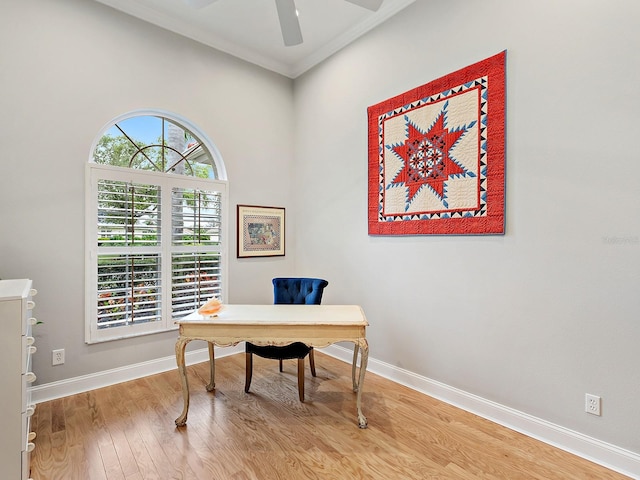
column 289, row 291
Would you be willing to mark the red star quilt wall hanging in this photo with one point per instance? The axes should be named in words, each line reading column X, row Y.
column 437, row 155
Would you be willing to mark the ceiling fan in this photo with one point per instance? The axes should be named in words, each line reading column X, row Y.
column 288, row 16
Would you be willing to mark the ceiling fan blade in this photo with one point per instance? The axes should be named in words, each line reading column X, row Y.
column 368, row 4
column 289, row 24
column 199, row 3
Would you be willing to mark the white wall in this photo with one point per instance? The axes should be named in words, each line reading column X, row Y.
column 69, row 67
column 538, row 317
column 531, row 320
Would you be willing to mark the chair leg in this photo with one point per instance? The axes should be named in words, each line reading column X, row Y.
column 301, row 379
column 248, row 371
column 280, row 364
column 312, row 363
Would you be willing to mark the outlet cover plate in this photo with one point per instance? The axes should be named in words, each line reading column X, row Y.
column 592, row 404
column 57, row 357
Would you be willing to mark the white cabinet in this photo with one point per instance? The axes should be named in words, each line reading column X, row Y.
column 16, row 348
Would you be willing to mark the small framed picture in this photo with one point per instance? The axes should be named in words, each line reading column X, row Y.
column 260, row 231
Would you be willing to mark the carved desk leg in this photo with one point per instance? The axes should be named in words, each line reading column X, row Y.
column 212, row 366
column 353, row 366
column 182, row 371
column 364, row 357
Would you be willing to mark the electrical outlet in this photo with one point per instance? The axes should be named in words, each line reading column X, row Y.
column 57, row 357
column 592, row 404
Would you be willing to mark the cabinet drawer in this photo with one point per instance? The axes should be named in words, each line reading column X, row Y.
column 28, row 349
column 27, row 379
column 27, row 325
column 28, row 445
column 26, row 466
column 30, row 306
column 28, row 320
column 28, row 437
column 26, row 424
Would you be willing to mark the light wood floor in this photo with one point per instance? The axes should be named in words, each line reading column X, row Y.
column 127, row 431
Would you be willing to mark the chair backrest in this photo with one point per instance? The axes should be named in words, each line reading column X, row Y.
column 298, row 290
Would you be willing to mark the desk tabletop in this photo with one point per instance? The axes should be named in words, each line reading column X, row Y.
column 281, row 315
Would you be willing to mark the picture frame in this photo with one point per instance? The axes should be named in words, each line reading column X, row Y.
column 261, row 231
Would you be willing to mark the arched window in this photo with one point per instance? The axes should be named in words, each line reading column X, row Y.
column 156, row 225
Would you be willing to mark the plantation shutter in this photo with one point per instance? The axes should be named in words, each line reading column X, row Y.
column 196, row 248
column 129, row 262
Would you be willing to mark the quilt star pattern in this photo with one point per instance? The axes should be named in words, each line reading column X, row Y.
column 436, row 155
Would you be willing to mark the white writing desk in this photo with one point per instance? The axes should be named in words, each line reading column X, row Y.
column 314, row 325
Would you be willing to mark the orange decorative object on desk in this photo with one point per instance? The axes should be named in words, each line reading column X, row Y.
column 212, row 307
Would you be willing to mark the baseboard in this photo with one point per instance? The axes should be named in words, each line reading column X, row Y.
column 602, row 453
column 84, row 383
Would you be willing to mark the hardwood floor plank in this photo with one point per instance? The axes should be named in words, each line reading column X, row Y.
column 41, row 424
column 127, row 432
column 172, row 441
column 78, row 424
column 57, row 415
column 146, row 468
column 110, row 460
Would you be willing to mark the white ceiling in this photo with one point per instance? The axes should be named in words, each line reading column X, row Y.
column 249, row 29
